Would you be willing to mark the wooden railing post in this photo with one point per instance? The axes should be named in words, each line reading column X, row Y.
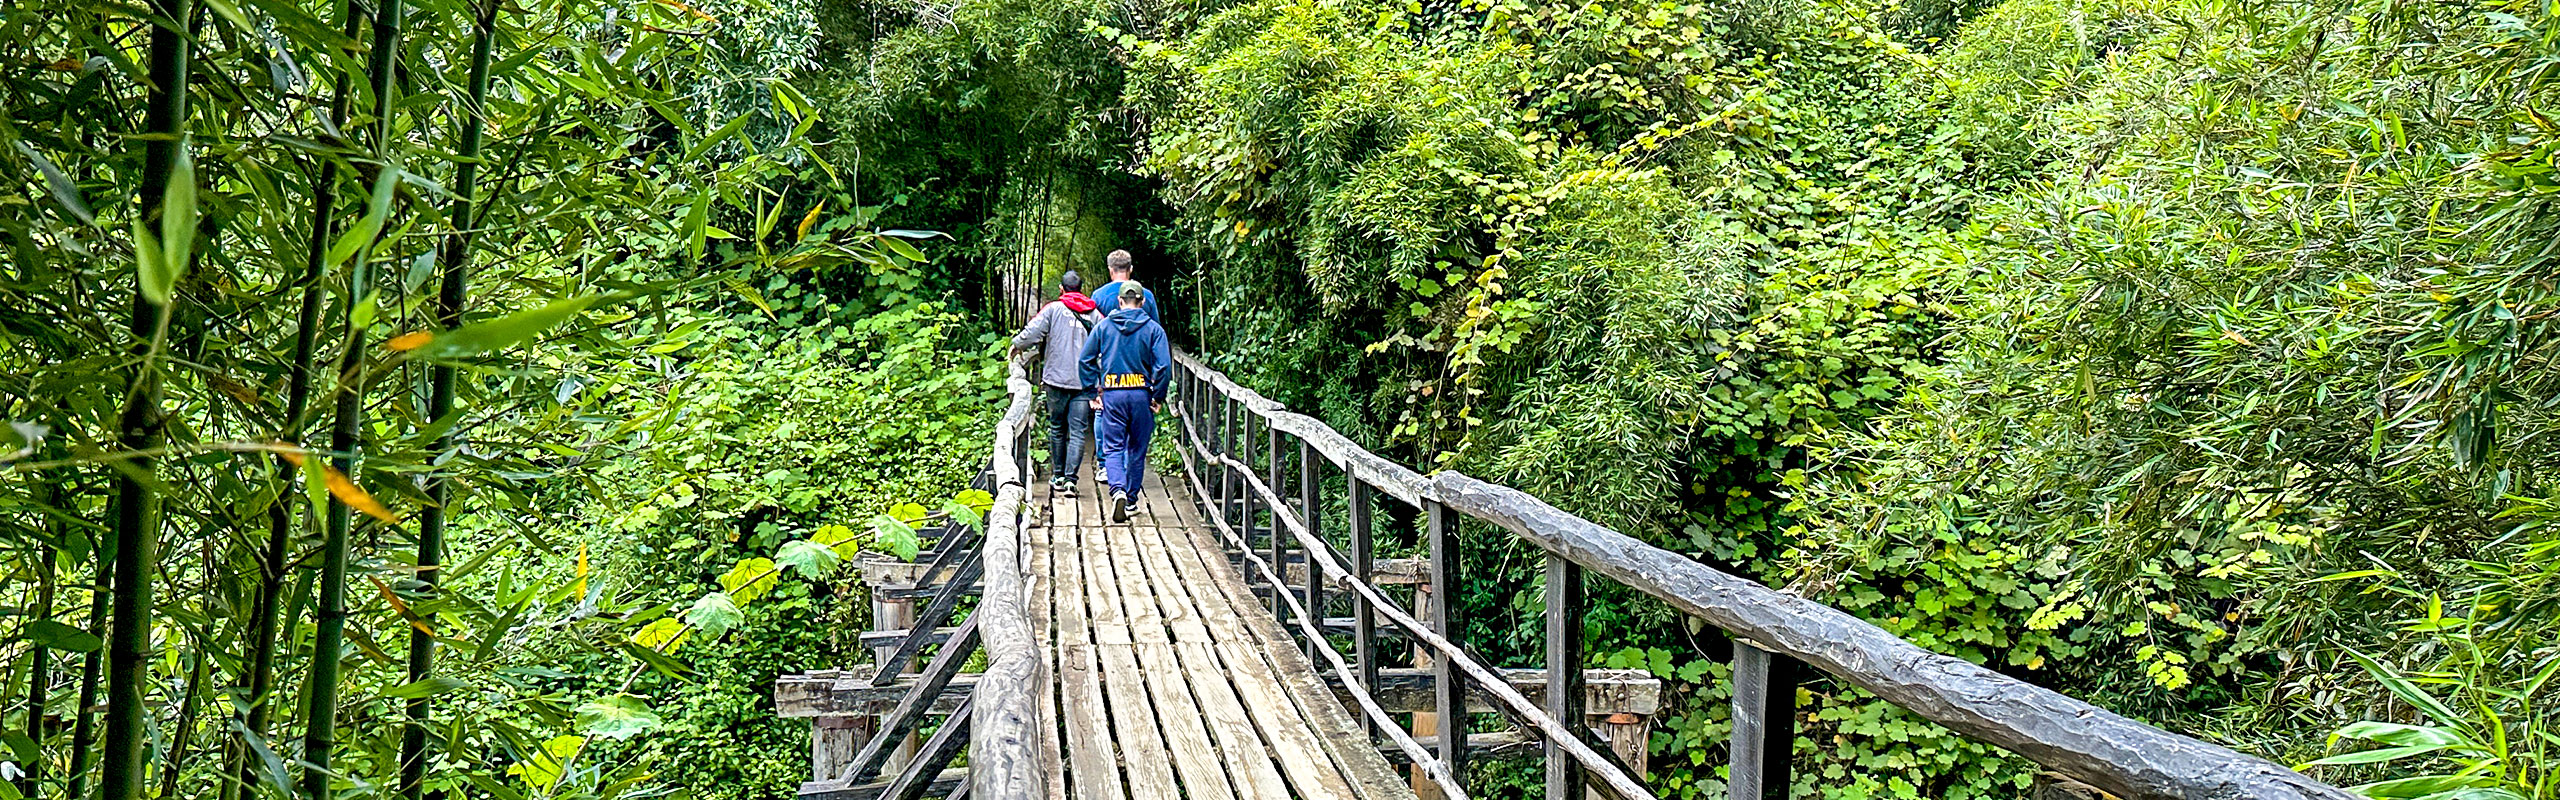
column 1310, row 504
column 1449, row 683
column 1279, row 549
column 1564, row 672
column 1244, row 488
column 1364, row 624
column 1764, row 722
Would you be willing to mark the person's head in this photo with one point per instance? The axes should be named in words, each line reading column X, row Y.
column 1071, row 282
column 1119, row 264
column 1133, row 295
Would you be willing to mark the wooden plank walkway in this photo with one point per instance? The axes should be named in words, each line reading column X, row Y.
column 1169, row 682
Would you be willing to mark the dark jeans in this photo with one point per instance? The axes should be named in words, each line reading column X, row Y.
column 1070, row 427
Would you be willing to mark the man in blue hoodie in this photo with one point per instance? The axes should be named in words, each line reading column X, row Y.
column 1131, row 362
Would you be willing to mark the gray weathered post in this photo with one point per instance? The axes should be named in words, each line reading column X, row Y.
column 1244, row 486
column 1310, row 503
column 1279, row 548
column 1764, row 722
column 1449, row 683
column 1564, row 672
column 1364, row 624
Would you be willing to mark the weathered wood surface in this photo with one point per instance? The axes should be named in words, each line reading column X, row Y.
column 1604, row 691
column 1005, row 755
column 2087, row 743
column 2121, row 756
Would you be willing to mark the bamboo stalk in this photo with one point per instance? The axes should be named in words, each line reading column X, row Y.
column 450, row 298
column 320, row 736
column 136, row 524
column 84, row 723
column 281, row 517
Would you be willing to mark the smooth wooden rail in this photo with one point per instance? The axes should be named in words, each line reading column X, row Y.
column 1776, row 633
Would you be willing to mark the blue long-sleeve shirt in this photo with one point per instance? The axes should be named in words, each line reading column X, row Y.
column 1130, row 352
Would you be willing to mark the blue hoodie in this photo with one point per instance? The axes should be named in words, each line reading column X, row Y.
column 1108, row 297
column 1129, row 353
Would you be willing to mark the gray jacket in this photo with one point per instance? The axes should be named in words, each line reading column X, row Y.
column 1060, row 335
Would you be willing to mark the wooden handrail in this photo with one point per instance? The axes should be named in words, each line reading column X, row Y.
column 2078, row 740
column 1005, row 725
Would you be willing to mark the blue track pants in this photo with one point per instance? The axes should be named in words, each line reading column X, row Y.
column 1125, row 428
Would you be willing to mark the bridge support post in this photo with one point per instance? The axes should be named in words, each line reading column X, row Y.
column 1564, row 672
column 1449, row 682
column 1764, row 722
column 1279, row 541
column 1364, row 622
column 1311, row 503
column 888, row 615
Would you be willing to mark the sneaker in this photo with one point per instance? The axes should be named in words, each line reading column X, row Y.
column 1120, row 506
column 1066, row 488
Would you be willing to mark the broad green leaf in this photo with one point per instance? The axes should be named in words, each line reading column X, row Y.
column 663, row 635
column 64, row 191
column 966, row 514
column 892, row 535
column 21, row 748
column 812, row 560
column 489, row 336
column 715, row 614
column 429, row 687
column 617, row 717
column 750, row 579
column 904, row 233
column 545, row 767
column 62, row 637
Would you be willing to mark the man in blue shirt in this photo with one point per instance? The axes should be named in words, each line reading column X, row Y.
column 1129, row 360
column 1109, row 295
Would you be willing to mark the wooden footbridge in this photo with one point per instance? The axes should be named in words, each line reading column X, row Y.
column 1191, row 653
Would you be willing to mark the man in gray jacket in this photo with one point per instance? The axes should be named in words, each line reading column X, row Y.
column 1059, row 330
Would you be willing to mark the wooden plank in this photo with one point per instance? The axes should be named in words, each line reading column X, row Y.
column 1148, row 763
column 1044, row 631
column 1449, row 683
column 1093, row 763
column 1247, row 757
column 1321, row 763
column 1195, row 759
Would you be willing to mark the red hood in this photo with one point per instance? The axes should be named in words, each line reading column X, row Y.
column 1077, row 302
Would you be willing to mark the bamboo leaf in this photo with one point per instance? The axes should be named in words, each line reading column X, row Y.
column 375, row 211
column 425, row 688
column 62, row 637
column 59, row 185
column 489, row 336
column 343, row 488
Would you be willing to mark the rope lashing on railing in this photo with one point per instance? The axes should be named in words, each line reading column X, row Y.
column 1492, row 683
column 1386, row 722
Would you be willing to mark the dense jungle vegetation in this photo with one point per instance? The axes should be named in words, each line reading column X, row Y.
column 477, row 398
